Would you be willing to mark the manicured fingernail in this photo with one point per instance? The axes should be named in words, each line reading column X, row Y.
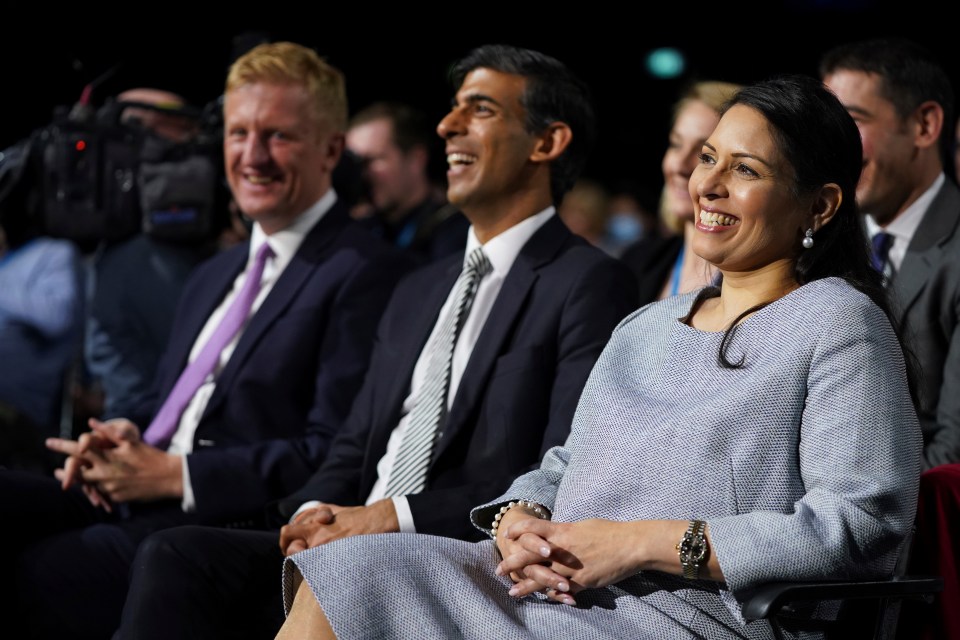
column 568, row 600
column 545, row 551
column 563, row 586
column 498, row 571
column 514, row 591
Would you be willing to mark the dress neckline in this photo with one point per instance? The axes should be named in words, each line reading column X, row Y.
column 753, row 318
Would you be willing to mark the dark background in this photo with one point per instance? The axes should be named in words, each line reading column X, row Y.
column 50, row 54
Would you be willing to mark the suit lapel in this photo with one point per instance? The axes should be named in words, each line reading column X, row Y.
column 412, row 348
column 926, row 250
column 409, row 348
column 218, row 283
column 316, row 248
column 541, row 249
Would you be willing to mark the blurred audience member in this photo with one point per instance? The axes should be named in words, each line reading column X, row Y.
column 632, row 217
column 585, row 210
column 392, row 142
column 956, row 151
column 135, row 283
column 902, row 100
column 41, row 304
column 663, row 265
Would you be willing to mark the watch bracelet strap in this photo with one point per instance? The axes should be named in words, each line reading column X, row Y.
column 696, row 528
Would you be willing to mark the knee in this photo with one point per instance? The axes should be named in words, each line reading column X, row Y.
column 165, row 549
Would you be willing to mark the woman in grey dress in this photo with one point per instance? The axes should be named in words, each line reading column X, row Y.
column 761, row 430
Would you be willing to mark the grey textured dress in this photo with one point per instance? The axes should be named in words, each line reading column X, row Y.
column 804, row 462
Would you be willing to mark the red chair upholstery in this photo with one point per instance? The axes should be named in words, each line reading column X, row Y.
column 936, row 551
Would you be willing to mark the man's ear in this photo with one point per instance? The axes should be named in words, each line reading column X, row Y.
column 826, row 204
column 334, row 149
column 929, row 120
column 552, row 142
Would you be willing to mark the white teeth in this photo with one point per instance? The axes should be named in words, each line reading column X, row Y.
column 259, row 179
column 717, row 219
column 460, row 158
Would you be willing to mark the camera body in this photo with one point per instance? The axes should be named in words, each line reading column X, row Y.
column 96, row 178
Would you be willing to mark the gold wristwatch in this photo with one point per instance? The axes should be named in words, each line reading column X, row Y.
column 693, row 549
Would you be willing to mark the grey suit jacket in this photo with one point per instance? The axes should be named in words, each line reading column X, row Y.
column 926, row 297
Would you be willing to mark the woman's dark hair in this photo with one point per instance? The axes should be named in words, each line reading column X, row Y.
column 819, row 139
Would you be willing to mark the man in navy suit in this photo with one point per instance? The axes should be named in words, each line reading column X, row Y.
column 516, row 139
column 280, row 387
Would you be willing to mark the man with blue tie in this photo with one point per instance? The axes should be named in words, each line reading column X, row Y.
column 479, row 363
column 269, row 347
column 902, row 100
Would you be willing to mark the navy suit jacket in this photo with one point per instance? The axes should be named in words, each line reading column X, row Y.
column 289, row 383
column 553, row 316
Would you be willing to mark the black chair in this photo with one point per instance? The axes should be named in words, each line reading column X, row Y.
column 864, row 609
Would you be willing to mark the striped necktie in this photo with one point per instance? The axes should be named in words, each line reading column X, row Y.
column 409, row 472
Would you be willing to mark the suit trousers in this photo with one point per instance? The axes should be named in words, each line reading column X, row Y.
column 205, row 582
column 65, row 563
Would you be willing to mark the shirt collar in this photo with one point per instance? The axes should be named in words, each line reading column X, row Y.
column 286, row 241
column 502, row 250
column 905, row 225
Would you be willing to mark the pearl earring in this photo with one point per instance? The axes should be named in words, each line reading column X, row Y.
column 808, row 239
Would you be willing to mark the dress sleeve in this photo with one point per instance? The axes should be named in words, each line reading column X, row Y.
column 859, row 456
column 539, row 485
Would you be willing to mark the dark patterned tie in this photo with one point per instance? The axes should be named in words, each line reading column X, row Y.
column 409, row 472
column 882, row 241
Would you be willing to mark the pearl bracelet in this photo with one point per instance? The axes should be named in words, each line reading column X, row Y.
column 537, row 510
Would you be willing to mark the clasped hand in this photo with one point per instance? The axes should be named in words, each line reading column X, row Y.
column 562, row 558
column 112, row 464
column 328, row 522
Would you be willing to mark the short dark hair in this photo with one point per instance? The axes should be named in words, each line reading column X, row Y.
column 909, row 73
column 409, row 125
column 552, row 94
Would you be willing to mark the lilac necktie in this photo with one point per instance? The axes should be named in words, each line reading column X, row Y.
column 165, row 423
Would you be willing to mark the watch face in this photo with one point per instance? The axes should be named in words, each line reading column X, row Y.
column 693, row 549
column 698, row 549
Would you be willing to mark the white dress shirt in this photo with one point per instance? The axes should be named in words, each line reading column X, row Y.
column 501, row 250
column 284, row 244
column 905, row 225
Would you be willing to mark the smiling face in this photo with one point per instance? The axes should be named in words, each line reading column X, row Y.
column 888, row 146
column 488, row 147
column 278, row 155
column 691, row 128
column 747, row 214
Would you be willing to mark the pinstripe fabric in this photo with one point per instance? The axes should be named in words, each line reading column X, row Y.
column 804, row 463
column 409, row 472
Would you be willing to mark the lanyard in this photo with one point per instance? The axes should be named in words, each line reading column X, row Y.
column 675, row 277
